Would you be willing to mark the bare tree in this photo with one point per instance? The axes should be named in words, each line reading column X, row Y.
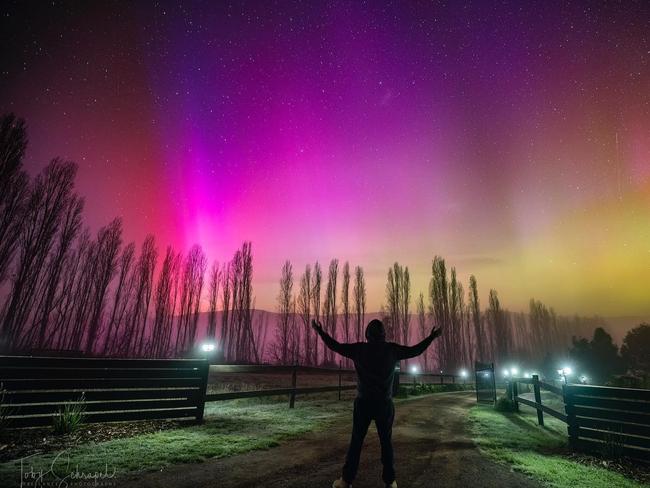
column 50, row 291
column 133, row 342
column 475, row 315
column 422, row 327
column 45, row 208
column 283, row 334
column 439, row 309
column 121, row 299
column 330, row 316
column 215, row 278
column 13, row 187
column 225, row 313
column 242, row 345
column 165, row 304
column 191, row 287
column 498, row 327
column 304, row 310
column 315, row 296
column 398, row 297
column 359, row 301
column 109, row 240
column 345, row 305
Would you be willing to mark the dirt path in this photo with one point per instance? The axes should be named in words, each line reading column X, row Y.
column 432, row 449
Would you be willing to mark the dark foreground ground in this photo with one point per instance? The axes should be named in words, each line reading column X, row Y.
column 432, row 444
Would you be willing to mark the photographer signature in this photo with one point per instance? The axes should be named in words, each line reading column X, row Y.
column 54, row 477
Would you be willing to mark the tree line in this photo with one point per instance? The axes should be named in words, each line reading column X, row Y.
column 470, row 333
column 66, row 289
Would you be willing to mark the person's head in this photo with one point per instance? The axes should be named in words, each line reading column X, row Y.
column 375, row 331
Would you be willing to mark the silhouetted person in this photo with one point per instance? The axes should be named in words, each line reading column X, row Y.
column 375, row 363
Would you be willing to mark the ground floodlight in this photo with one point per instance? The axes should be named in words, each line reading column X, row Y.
column 514, row 371
column 415, row 369
column 463, row 373
column 208, row 347
column 583, row 379
column 506, row 373
column 567, row 371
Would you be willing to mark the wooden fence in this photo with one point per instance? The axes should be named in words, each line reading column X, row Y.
column 610, row 421
column 293, row 391
column 615, row 421
column 37, row 388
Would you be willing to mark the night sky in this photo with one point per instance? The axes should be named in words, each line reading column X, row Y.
column 513, row 139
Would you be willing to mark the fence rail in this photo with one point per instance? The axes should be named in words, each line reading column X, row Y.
column 612, row 421
column 37, row 388
column 294, row 390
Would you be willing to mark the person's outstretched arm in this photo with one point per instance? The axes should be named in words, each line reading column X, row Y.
column 406, row 352
column 345, row 349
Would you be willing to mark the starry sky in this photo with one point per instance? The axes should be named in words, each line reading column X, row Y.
column 512, row 138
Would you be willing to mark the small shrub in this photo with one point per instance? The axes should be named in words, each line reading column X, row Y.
column 70, row 416
column 504, row 404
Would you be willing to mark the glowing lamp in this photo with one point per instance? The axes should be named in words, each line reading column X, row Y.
column 463, row 373
column 415, row 369
column 514, row 371
column 208, row 347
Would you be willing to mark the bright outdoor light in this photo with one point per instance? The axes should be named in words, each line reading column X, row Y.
column 514, row 371
column 415, row 369
column 527, row 375
column 208, row 347
column 486, row 374
column 566, row 371
column 583, row 379
column 463, row 373
column 506, row 373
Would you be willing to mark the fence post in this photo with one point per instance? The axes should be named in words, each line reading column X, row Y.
column 538, row 399
column 572, row 428
column 340, row 375
column 515, row 394
column 205, row 372
column 292, row 397
column 453, row 379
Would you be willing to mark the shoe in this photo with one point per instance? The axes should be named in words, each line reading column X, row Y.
column 341, row 483
column 392, row 485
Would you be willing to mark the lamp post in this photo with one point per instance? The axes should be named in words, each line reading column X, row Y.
column 414, row 371
column 564, row 372
column 208, row 349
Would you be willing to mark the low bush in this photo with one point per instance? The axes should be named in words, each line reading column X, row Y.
column 70, row 417
column 504, row 404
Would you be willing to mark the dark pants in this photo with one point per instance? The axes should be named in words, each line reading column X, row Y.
column 382, row 412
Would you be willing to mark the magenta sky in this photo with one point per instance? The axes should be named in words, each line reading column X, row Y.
column 370, row 132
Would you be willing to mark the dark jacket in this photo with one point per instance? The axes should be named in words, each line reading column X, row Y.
column 375, row 362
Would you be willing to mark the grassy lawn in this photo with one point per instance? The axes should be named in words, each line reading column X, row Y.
column 229, row 428
column 539, row 452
